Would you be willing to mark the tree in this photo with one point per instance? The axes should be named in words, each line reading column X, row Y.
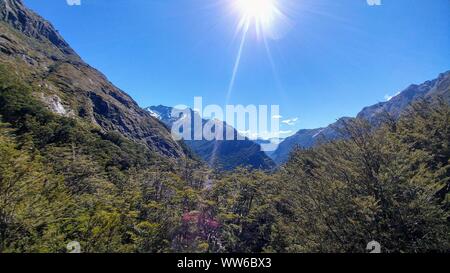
column 378, row 184
column 32, row 200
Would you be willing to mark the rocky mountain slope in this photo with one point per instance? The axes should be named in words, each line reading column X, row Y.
column 439, row 87
column 397, row 104
column 225, row 155
column 32, row 48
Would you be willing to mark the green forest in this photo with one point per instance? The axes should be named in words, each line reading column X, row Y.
column 63, row 179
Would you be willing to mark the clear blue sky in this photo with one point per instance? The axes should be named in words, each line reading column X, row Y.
column 335, row 58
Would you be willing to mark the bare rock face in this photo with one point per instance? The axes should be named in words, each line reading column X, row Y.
column 18, row 16
column 37, row 52
column 55, row 104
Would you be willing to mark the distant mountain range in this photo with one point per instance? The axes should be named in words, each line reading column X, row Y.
column 439, row 87
column 230, row 154
column 219, row 154
column 68, row 86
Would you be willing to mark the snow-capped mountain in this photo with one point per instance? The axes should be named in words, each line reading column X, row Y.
column 220, row 154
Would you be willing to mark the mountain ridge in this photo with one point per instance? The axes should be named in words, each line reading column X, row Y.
column 225, row 154
column 31, row 46
column 306, row 138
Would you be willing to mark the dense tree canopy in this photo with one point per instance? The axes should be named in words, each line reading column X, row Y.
column 63, row 179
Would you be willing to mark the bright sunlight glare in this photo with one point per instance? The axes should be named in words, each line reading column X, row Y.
column 264, row 15
column 261, row 11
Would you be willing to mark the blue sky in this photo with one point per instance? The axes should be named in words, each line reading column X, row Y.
column 334, row 58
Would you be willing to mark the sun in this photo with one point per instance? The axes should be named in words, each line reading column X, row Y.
column 256, row 9
column 269, row 21
column 259, row 12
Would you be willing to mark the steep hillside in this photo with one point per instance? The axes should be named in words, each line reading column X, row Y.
column 439, row 87
column 307, row 138
column 225, row 155
column 396, row 105
column 32, row 48
column 79, row 160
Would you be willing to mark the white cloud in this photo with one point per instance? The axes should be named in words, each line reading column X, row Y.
column 73, row 2
column 290, row 122
column 374, row 2
column 266, row 135
column 249, row 134
column 277, row 116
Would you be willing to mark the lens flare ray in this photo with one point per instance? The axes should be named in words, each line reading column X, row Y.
column 237, row 62
column 264, row 16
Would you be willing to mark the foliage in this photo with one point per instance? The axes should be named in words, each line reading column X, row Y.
column 63, row 179
column 386, row 185
column 113, row 194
